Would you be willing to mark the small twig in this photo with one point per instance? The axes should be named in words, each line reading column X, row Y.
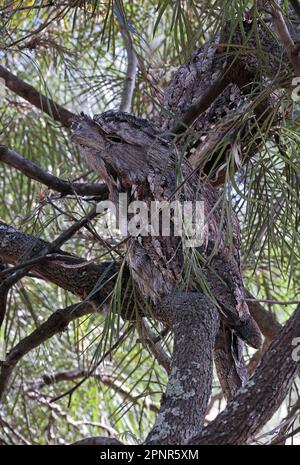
column 100, row 375
column 94, row 368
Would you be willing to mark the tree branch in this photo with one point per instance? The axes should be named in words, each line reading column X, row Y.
column 132, row 62
column 266, row 321
column 40, row 101
column 291, row 48
column 33, row 171
column 56, row 323
column 70, row 272
column 186, row 398
column 259, row 399
column 100, row 375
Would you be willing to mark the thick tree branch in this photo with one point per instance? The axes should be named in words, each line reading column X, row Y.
column 186, row 398
column 22, row 269
column 40, row 101
column 33, row 171
column 259, row 399
column 72, row 273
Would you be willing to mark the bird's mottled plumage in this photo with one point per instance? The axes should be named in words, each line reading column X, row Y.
column 133, row 156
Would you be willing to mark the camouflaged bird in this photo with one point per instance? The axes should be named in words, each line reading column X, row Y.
column 132, row 156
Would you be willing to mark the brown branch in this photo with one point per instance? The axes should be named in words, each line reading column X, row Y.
column 201, row 105
column 100, row 375
column 266, row 321
column 259, row 399
column 72, row 273
column 292, row 49
column 40, row 101
column 33, row 171
column 56, row 323
column 24, row 268
column 132, row 62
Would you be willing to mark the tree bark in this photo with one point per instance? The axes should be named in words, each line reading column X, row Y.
column 259, row 399
column 184, row 403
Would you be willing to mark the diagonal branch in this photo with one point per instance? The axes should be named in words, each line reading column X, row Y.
column 56, row 323
column 68, row 271
column 40, row 101
column 33, row 171
column 45, row 253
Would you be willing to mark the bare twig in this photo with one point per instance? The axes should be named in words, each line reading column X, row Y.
column 104, row 378
column 96, row 365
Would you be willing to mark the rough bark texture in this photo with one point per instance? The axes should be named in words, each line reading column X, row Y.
column 259, row 399
column 67, row 271
column 185, row 401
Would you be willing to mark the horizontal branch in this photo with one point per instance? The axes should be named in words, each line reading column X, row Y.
column 67, row 271
column 33, row 171
column 40, row 101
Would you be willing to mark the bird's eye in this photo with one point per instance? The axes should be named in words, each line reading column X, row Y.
column 115, row 138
